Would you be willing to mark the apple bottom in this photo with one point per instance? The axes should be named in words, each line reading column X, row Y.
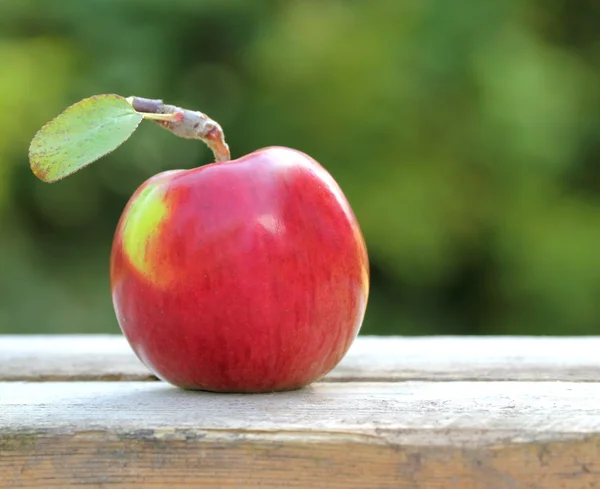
column 250, row 343
column 220, row 331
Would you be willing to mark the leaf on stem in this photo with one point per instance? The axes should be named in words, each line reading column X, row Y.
column 83, row 133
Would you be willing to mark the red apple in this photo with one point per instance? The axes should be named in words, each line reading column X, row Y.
column 248, row 275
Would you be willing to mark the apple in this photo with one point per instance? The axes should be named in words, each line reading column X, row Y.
column 245, row 275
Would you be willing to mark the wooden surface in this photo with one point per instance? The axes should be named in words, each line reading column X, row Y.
column 434, row 413
column 95, row 357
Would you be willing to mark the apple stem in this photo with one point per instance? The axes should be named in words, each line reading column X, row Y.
column 184, row 123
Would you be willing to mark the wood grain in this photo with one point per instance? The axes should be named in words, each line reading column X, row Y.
column 371, row 359
column 468, row 435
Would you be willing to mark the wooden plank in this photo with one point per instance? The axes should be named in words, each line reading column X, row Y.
column 468, row 435
column 69, row 357
column 106, row 358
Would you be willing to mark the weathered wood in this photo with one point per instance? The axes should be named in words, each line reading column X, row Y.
column 69, row 357
column 468, row 435
column 370, row 359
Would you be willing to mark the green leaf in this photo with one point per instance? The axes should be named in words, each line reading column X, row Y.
column 83, row 133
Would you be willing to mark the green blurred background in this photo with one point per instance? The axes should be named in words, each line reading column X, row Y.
column 465, row 134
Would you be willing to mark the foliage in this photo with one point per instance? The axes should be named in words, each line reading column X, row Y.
column 465, row 134
column 83, row 133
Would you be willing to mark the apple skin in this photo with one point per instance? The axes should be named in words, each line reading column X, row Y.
column 248, row 275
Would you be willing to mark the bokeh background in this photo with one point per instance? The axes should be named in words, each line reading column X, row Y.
column 465, row 134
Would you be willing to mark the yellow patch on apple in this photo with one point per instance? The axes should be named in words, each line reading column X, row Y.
column 142, row 228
